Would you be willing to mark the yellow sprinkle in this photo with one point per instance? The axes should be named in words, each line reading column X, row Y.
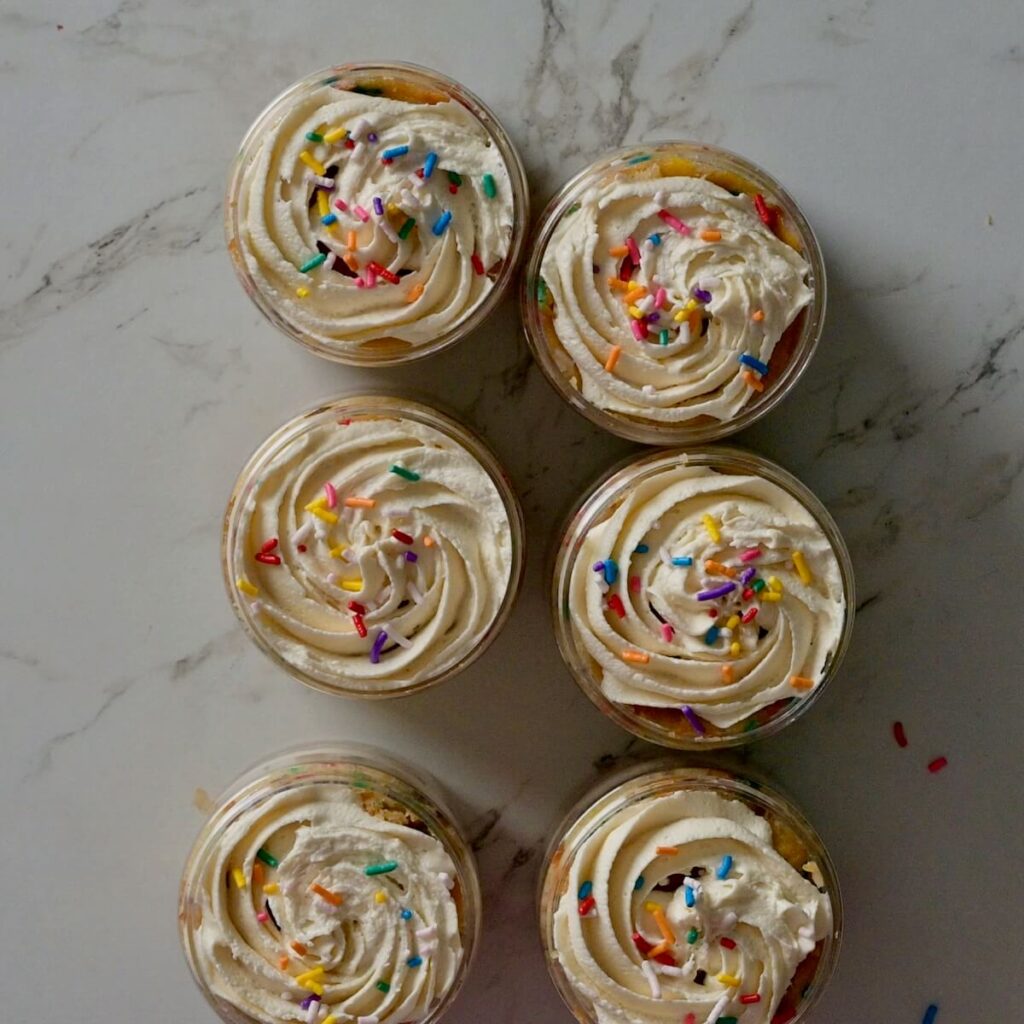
column 734, row 648
column 635, row 313
column 320, row 502
column 353, row 586
column 246, row 587
column 651, row 907
column 239, row 876
column 329, row 1019
column 681, row 316
column 302, row 291
column 271, row 888
column 312, row 975
column 315, row 987
column 336, row 552
column 613, row 358
column 380, row 896
column 733, row 622
column 712, row 527
column 335, row 134
column 801, row 567
column 770, row 595
column 325, row 514
column 729, row 979
column 691, row 305
column 775, row 583
column 393, row 208
column 312, row 163
column 322, row 203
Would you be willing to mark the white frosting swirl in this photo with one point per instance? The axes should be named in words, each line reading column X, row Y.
column 365, row 945
column 434, row 598
column 756, row 282
column 794, row 633
column 774, row 916
column 280, row 220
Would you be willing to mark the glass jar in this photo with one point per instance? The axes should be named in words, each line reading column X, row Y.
column 274, row 907
column 693, row 329
column 606, row 862
column 690, row 641
column 373, row 546
column 356, row 232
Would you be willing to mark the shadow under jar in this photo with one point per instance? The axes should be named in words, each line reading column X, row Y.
column 674, row 293
column 702, row 598
column 330, row 880
column 688, row 895
column 376, row 212
column 373, row 547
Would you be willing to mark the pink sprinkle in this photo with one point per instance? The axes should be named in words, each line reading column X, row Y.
column 639, row 329
column 634, row 252
column 360, row 283
column 340, row 204
column 659, row 298
column 750, row 554
column 673, row 222
column 362, row 214
column 667, row 632
column 634, row 584
column 371, row 278
column 332, row 495
column 263, row 917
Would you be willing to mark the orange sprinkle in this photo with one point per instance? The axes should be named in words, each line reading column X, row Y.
column 332, row 897
column 666, row 851
column 428, row 541
column 360, row 502
column 666, row 932
column 661, row 947
column 618, row 250
column 801, row 682
column 636, row 656
column 299, row 948
column 414, row 293
column 711, row 236
column 351, row 262
column 635, row 293
column 727, row 673
column 352, row 240
column 282, row 962
column 613, row 358
column 618, row 286
column 695, row 323
column 718, row 569
column 257, row 873
column 756, row 384
column 757, row 316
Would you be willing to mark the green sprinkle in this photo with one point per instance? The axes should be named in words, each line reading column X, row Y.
column 455, row 178
column 751, row 725
column 490, row 189
column 312, row 263
column 663, row 336
column 728, row 1020
column 542, row 290
column 405, row 474
column 639, row 883
column 383, row 986
column 572, row 209
column 314, row 137
column 269, row 859
column 365, row 90
column 381, row 869
column 403, row 231
column 331, row 80
column 640, row 160
column 757, row 586
column 692, row 935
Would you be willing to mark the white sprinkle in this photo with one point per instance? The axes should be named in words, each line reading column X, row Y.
column 646, row 304
column 313, row 1013
column 385, row 226
column 427, row 933
column 321, row 529
column 660, row 196
column 256, row 607
column 666, row 555
column 427, row 950
column 302, row 532
column 372, row 1019
column 348, row 556
column 358, row 128
column 414, row 593
column 402, row 641
column 727, row 923
column 358, row 150
column 652, row 979
column 409, row 201
column 332, row 578
column 719, row 1009
column 672, row 972
column 726, row 632
column 707, row 283
column 649, row 389
column 446, row 880
column 332, row 258
column 324, row 183
column 648, row 245
column 684, row 333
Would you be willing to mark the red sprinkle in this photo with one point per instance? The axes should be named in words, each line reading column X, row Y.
column 728, row 943
column 387, row 161
column 403, row 537
column 359, row 624
column 690, row 1018
column 383, row 272
column 616, row 605
column 350, row 144
column 268, row 559
column 419, row 172
column 937, row 765
column 713, row 612
column 301, row 548
column 634, row 584
column 764, row 211
column 748, row 594
column 666, row 958
column 899, row 734
column 754, row 997
column 641, row 944
column 344, row 423
column 478, row 264
column 587, row 905
column 269, row 545
column 355, row 606
column 750, row 614
column 454, row 189
column 784, row 1016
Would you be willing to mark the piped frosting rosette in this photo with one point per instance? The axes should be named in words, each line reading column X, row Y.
column 681, row 905
column 362, row 218
column 669, row 295
column 713, row 593
column 310, row 906
column 373, row 553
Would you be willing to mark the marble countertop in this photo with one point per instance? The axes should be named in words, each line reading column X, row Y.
column 135, row 378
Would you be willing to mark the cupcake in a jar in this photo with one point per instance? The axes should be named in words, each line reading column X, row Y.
column 674, row 293
column 375, row 213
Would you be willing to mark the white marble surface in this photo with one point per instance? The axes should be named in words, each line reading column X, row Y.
column 135, row 377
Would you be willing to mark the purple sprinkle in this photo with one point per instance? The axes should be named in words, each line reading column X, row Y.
column 710, row 595
column 701, row 295
column 305, row 1004
column 692, row 718
column 378, row 646
column 411, row 556
column 748, row 574
column 653, row 318
column 378, row 206
column 598, row 567
column 372, row 137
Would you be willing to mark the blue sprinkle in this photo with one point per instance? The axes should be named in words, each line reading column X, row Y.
column 654, row 239
column 724, row 868
column 441, row 223
column 328, row 218
column 691, row 899
column 930, row 1014
column 585, row 890
column 406, row 915
column 414, row 961
column 711, row 635
column 641, row 549
column 428, row 165
column 754, row 364
column 611, row 571
column 390, row 154
column 638, row 884
column 682, row 560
